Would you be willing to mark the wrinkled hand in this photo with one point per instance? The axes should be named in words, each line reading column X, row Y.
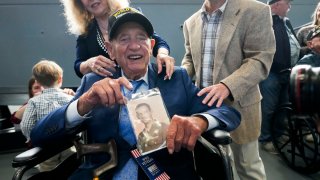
column 105, row 92
column 217, row 92
column 101, row 65
column 168, row 61
column 69, row 91
column 184, row 131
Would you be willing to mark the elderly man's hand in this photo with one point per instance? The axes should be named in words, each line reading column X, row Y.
column 104, row 92
column 184, row 131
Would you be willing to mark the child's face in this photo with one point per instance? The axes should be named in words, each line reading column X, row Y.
column 36, row 88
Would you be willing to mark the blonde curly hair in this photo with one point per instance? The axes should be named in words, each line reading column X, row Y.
column 78, row 18
column 315, row 21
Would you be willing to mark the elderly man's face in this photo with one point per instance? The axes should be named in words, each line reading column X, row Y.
column 132, row 49
column 282, row 7
column 314, row 44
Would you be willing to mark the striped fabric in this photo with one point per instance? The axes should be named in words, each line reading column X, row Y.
column 210, row 34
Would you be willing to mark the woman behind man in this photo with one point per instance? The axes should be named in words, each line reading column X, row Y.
column 303, row 32
column 88, row 20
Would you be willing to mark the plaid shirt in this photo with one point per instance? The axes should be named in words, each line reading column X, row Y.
column 41, row 105
column 210, row 34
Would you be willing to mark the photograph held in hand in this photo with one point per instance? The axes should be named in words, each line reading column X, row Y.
column 149, row 119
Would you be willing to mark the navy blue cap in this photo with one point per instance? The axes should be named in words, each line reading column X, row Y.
column 128, row 14
column 274, row 1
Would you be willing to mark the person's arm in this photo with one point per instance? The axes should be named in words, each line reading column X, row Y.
column 16, row 117
column 59, row 125
column 73, row 118
column 99, row 64
column 85, row 63
column 104, row 66
column 19, row 112
column 302, row 39
column 68, row 91
column 106, row 92
column 161, row 51
column 28, row 120
column 161, row 45
column 253, row 57
column 82, row 55
column 184, row 130
column 51, row 128
column 257, row 55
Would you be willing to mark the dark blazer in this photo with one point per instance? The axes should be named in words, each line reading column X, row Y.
column 180, row 97
column 282, row 56
column 88, row 47
column 312, row 59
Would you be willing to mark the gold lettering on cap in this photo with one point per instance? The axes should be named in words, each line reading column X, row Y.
column 125, row 10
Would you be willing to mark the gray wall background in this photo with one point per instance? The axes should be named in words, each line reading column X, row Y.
column 35, row 29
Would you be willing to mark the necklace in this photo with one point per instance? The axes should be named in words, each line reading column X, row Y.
column 101, row 40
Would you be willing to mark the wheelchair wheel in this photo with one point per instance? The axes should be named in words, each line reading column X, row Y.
column 212, row 153
column 289, row 133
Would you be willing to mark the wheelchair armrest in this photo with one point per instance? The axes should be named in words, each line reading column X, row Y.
column 36, row 155
column 216, row 136
column 212, row 146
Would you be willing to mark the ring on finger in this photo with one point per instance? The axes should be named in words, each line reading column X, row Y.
column 99, row 68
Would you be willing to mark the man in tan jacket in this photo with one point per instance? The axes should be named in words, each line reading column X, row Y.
column 229, row 46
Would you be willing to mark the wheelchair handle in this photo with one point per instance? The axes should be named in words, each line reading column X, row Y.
column 110, row 148
column 218, row 137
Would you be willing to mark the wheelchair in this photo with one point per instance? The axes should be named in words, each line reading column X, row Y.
column 212, row 146
column 296, row 139
column 294, row 131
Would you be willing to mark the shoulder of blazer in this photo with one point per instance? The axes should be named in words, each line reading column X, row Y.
column 249, row 4
column 246, row 6
column 194, row 16
column 88, row 80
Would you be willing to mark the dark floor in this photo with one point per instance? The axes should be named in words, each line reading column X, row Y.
column 276, row 169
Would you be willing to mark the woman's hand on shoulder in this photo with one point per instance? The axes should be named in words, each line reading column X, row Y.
column 100, row 65
column 168, row 61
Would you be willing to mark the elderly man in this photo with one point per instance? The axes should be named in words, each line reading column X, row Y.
column 313, row 43
column 99, row 105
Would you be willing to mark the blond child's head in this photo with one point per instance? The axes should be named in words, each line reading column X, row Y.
column 48, row 73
